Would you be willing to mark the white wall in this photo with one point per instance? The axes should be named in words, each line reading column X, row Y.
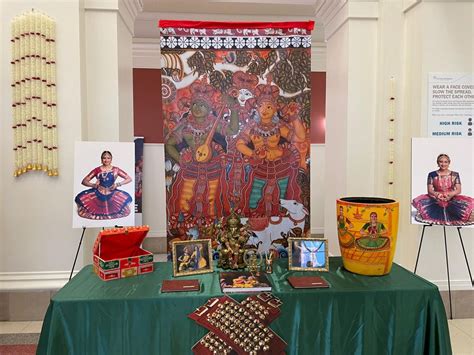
column 154, row 192
column 125, row 78
column 439, row 38
column 102, row 76
column 366, row 46
column 108, row 76
column 35, row 217
column 95, row 102
column 336, row 131
column 351, row 120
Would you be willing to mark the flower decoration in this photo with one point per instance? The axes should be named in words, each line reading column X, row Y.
column 33, row 61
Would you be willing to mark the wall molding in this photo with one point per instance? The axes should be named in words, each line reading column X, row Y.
column 456, row 285
column 361, row 11
column 328, row 9
column 43, row 280
column 156, row 16
column 156, row 233
column 127, row 9
column 318, row 57
column 146, row 53
column 410, row 4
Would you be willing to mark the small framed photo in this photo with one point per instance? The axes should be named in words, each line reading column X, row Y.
column 191, row 257
column 308, row 254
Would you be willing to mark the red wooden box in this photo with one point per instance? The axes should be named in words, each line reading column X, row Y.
column 118, row 253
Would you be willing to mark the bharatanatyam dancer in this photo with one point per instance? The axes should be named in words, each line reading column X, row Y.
column 444, row 204
column 104, row 200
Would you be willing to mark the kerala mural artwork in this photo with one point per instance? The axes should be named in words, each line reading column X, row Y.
column 236, row 108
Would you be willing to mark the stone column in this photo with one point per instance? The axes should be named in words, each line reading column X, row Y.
column 107, row 44
column 351, row 35
column 107, row 76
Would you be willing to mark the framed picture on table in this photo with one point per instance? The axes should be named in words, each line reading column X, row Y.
column 308, row 254
column 191, row 257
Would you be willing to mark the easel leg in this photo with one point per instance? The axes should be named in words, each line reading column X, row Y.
column 77, row 252
column 419, row 248
column 465, row 256
column 447, row 268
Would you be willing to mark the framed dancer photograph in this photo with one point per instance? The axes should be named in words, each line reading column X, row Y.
column 191, row 257
column 308, row 254
column 442, row 176
column 104, row 184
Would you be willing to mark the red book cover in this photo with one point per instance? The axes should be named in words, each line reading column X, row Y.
column 307, row 282
column 180, row 285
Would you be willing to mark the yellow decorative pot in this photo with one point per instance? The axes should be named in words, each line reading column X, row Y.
column 367, row 231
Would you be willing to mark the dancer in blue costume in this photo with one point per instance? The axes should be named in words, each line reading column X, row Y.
column 104, row 200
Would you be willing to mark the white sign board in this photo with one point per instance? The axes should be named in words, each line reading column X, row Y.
column 450, row 104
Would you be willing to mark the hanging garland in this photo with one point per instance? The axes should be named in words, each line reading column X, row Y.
column 35, row 141
column 391, row 138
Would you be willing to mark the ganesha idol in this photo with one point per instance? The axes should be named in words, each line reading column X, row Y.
column 367, row 232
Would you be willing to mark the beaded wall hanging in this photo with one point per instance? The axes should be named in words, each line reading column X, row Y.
column 33, row 64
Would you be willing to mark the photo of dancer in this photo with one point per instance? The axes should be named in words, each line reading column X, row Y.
column 109, row 194
column 438, row 194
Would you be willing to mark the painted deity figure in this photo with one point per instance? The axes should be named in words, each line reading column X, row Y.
column 268, row 142
column 243, row 89
column 237, row 172
column 104, row 200
column 198, row 144
column 374, row 234
column 444, row 204
column 346, row 238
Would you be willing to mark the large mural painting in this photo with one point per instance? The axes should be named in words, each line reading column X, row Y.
column 236, row 106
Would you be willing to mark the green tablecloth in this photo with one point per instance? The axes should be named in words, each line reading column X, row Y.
column 400, row 313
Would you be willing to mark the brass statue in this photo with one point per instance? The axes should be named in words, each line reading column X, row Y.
column 269, row 261
column 232, row 236
column 253, row 259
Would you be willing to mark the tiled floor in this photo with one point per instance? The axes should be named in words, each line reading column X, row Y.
column 462, row 335
column 461, row 331
column 20, row 327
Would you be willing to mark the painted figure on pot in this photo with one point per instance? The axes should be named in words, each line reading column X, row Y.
column 346, row 238
column 367, row 232
column 374, row 234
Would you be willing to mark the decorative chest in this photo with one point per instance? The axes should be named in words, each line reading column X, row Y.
column 118, row 253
